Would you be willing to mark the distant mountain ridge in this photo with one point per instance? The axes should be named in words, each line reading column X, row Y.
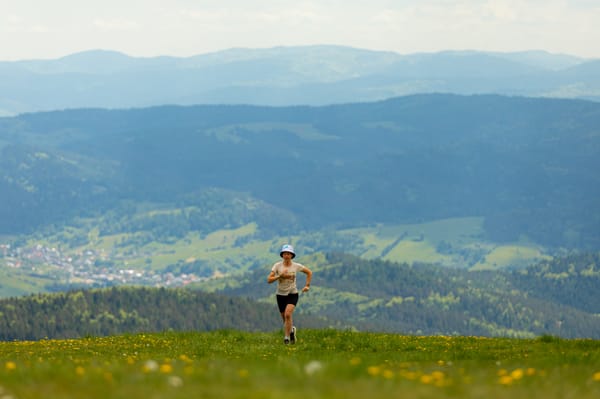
column 280, row 76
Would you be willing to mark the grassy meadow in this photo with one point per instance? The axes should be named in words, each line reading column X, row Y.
column 323, row 364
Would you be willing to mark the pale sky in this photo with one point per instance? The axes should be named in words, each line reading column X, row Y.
column 42, row 29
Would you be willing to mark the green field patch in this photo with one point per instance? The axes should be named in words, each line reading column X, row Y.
column 458, row 230
column 160, row 212
column 17, row 282
column 322, row 364
column 423, row 242
column 511, row 255
column 231, row 133
column 414, row 251
column 219, row 248
column 456, row 242
column 227, row 238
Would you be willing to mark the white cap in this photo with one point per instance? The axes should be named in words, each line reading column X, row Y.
column 287, row 248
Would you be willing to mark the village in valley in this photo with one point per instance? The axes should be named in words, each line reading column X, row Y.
column 87, row 268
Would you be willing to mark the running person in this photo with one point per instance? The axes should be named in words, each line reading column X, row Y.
column 284, row 272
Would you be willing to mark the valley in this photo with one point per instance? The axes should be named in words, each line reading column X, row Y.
column 43, row 264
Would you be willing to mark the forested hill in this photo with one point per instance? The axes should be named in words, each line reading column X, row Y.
column 572, row 281
column 103, row 312
column 557, row 298
column 528, row 166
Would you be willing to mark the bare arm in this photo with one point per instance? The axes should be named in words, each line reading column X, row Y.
column 308, row 273
column 272, row 277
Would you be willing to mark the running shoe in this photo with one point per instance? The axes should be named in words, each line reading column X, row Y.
column 293, row 335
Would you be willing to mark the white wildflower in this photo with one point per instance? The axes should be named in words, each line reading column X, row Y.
column 312, row 367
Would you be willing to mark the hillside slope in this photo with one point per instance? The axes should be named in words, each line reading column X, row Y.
column 424, row 299
column 527, row 166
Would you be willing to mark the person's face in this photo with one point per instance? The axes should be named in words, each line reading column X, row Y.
column 287, row 256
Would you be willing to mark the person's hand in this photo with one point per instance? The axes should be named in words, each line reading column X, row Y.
column 306, row 288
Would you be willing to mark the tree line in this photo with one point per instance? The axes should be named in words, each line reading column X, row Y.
column 118, row 310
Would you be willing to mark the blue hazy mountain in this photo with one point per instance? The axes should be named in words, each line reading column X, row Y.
column 311, row 75
column 527, row 165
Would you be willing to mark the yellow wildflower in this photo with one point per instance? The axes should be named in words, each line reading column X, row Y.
column 517, row 374
column 166, row 368
column 410, row 375
column 506, row 380
column 426, row 379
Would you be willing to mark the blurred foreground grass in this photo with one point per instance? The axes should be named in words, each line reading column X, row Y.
column 323, row 364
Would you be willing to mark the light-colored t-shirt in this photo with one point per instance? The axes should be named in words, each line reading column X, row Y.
column 287, row 286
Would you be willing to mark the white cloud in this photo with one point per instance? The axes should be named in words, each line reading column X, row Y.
column 188, row 27
column 116, row 24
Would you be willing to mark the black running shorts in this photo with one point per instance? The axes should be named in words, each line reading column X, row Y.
column 284, row 300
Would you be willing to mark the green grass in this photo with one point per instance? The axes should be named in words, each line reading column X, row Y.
column 16, row 282
column 323, row 364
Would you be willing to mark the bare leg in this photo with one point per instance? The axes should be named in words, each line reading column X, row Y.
column 287, row 319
